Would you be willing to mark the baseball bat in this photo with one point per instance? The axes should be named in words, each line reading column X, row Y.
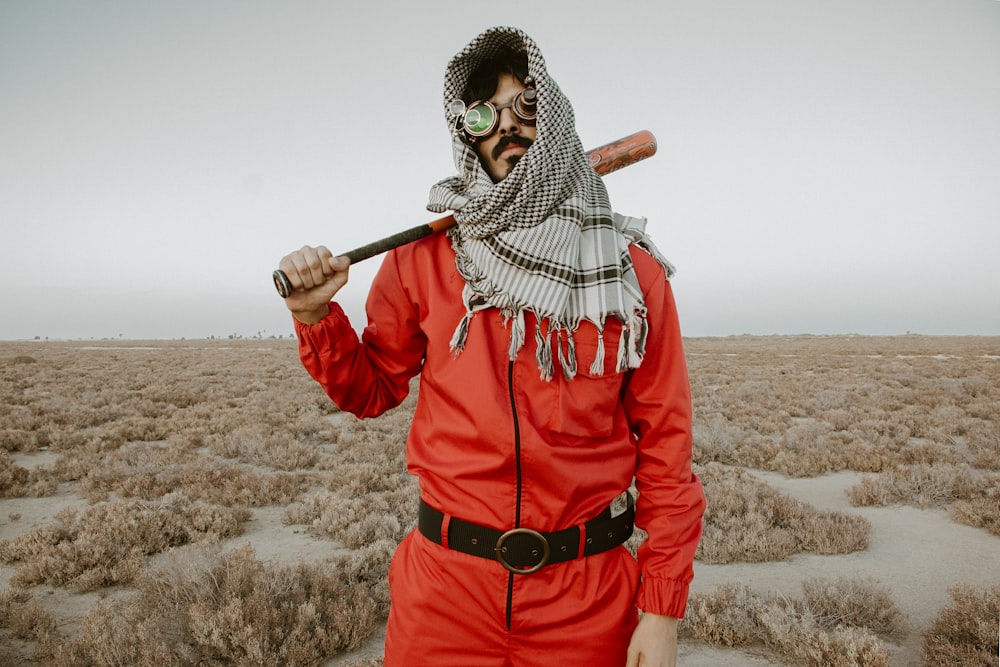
column 604, row 159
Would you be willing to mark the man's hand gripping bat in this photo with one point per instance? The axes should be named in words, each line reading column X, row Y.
column 604, row 159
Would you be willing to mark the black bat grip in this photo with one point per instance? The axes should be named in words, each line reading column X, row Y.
column 388, row 243
column 284, row 285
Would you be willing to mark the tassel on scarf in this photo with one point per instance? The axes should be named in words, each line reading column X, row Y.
column 543, row 352
column 597, row 367
column 567, row 361
column 458, row 339
column 629, row 352
column 621, row 365
column 516, row 335
column 640, row 343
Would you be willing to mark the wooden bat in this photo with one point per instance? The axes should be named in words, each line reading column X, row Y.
column 604, row 159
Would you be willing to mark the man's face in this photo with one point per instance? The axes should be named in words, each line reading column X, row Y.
column 499, row 152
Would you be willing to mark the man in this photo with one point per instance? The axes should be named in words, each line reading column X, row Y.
column 552, row 374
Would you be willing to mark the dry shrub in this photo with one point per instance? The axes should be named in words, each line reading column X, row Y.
column 716, row 439
column 857, row 602
column 803, row 406
column 981, row 512
column 107, row 544
column 369, row 496
column 368, row 566
column 974, row 495
column 729, row 615
column 983, row 442
column 230, row 609
column 13, row 478
column 921, row 485
column 965, row 633
column 354, row 521
column 204, row 479
column 800, row 637
column 18, row 440
column 748, row 521
column 819, row 630
column 18, row 359
column 261, row 445
column 21, row 617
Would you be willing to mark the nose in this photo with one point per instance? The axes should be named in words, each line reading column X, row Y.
column 508, row 122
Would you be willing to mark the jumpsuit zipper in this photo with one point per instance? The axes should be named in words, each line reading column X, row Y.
column 517, row 462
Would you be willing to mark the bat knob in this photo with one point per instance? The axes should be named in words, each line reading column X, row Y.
column 282, row 283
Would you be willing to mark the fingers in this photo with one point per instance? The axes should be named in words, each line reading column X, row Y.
column 315, row 276
column 308, row 267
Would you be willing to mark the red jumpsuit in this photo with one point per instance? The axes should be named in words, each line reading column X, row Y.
column 493, row 443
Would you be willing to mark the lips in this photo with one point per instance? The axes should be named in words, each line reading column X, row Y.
column 518, row 150
column 511, row 143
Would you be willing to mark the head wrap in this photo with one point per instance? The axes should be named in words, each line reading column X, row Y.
column 543, row 239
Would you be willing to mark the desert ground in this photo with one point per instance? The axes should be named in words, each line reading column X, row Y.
column 202, row 503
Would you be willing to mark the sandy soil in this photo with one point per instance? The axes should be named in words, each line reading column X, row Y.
column 918, row 554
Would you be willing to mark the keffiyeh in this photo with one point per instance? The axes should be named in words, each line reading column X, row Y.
column 544, row 239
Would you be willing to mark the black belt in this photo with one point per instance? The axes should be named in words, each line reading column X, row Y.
column 522, row 550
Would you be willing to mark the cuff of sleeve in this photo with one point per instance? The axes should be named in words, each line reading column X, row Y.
column 667, row 597
column 329, row 327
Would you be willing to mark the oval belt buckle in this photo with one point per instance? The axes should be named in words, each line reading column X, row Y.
column 498, row 550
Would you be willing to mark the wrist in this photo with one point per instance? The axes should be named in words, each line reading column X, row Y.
column 312, row 316
column 668, row 623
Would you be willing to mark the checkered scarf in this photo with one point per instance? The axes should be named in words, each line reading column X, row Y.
column 544, row 239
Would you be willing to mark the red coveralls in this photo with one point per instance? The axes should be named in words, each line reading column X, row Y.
column 493, row 443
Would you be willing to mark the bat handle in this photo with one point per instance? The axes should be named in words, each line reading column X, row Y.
column 284, row 285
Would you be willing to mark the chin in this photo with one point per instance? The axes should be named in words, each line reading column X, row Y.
column 508, row 165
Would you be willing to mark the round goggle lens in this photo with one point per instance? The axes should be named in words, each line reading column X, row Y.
column 479, row 119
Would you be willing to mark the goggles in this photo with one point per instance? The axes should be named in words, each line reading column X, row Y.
column 481, row 119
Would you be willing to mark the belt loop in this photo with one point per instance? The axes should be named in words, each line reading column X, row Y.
column 582, row 547
column 445, row 524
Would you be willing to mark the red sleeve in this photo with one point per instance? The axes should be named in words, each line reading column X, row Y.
column 671, row 501
column 368, row 375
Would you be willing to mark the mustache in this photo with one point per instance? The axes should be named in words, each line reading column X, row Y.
column 507, row 140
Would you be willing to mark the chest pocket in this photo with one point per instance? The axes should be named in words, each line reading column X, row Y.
column 586, row 406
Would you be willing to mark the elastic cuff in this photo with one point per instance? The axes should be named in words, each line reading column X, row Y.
column 666, row 597
column 334, row 321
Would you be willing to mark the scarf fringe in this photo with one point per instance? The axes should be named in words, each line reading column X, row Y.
column 568, row 360
column 516, row 335
column 597, row 366
column 543, row 352
column 631, row 345
column 622, row 354
column 461, row 334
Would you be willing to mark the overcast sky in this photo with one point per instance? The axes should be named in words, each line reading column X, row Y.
column 824, row 166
